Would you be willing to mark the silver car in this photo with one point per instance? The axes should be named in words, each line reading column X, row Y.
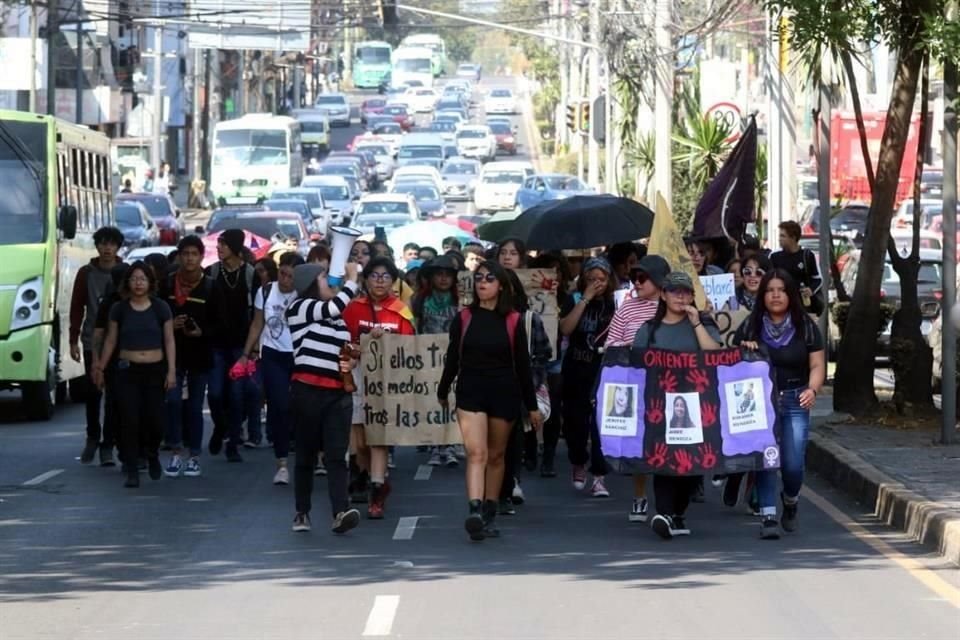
column 336, row 107
column 336, row 195
column 460, row 178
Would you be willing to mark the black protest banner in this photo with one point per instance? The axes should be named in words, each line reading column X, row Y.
column 679, row 413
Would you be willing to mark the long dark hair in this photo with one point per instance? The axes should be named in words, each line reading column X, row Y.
column 794, row 308
column 505, row 302
column 687, row 421
column 661, row 313
column 425, row 290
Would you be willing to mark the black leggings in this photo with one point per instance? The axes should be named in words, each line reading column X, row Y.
column 673, row 493
column 140, row 399
column 580, row 427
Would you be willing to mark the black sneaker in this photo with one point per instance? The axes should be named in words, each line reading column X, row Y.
column 345, row 521
column 301, row 523
column 216, row 441
column 789, row 519
column 678, row 526
column 474, row 523
column 731, row 489
column 155, row 470
column 697, row 494
column 233, row 455
column 132, row 480
column 769, row 529
column 547, row 470
column 506, row 507
column 489, row 519
column 142, row 464
column 106, row 456
column 89, row 450
column 359, row 489
column 661, row 525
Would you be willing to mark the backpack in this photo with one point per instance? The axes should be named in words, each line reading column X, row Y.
column 513, row 319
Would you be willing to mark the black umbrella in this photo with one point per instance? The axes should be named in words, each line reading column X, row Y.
column 582, row 222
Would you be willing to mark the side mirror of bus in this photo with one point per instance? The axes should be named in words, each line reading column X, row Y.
column 68, row 221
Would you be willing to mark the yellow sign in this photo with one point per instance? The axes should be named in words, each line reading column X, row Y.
column 666, row 241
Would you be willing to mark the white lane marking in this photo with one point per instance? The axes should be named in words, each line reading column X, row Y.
column 380, row 620
column 406, row 528
column 43, row 477
column 423, row 472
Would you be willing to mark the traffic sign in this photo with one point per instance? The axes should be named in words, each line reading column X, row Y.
column 729, row 114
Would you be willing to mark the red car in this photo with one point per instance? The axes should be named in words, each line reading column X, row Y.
column 164, row 212
column 371, row 107
column 400, row 115
column 506, row 141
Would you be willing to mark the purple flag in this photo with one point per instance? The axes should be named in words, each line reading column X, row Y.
column 728, row 203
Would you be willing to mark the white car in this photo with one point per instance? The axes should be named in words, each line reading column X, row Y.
column 498, row 184
column 421, row 99
column 383, row 152
column 336, row 195
column 450, row 116
column 477, row 141
column 500, row 101
column 418, row 173
column 387, row 203
column 336, row 107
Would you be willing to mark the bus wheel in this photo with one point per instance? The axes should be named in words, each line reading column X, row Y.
column 39, row 398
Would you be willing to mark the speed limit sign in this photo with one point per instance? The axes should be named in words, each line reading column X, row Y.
column 729, row 114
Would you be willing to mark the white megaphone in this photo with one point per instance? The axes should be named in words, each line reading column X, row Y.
column 341, row 242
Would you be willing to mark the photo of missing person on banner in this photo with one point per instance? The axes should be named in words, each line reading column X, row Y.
column 684, row 424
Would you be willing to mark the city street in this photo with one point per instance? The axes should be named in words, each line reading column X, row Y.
column 214, row 557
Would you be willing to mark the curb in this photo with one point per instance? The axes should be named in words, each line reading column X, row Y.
column 925, row 521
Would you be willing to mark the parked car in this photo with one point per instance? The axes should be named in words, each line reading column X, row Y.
column 164, row 213
column 460, row 178
column 137, row 226
column 849, row 221
column 500, row 101
column 549, row 186
column 477, row 141
column 336, row 106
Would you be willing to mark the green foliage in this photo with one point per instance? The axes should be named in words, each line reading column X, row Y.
column 703, row 146
column 459, row 37
column 839, row 311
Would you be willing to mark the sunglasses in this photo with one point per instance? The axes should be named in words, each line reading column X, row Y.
column 480, row 277
column 380, row 276
column 748, row 272
column 640, row 277
column 678, row 291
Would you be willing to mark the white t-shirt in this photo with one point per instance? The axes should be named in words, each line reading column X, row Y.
column 276, row 332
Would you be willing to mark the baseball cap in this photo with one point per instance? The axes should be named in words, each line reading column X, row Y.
column 678, row 280
column 654, row 266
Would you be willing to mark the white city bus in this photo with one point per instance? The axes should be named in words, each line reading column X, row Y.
column 255, row 155
column 437, row 46
column 412, row 63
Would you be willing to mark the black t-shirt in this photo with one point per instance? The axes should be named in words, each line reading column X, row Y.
column 791, row 362
column 583, row 357
column 233, row 312
column 140, row 330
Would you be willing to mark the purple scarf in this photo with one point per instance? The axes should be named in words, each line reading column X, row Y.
column 778, row 334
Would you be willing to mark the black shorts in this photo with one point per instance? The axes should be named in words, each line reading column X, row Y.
column 498, row 397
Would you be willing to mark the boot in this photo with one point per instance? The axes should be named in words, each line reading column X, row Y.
column 132, row 479
column 489, row 516
column 358, row 488
column 475, row 521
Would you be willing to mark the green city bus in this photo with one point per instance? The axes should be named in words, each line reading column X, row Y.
column 57, row 180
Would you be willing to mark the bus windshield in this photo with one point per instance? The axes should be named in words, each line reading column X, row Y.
column 373, row 55
column 312, row 126
column 251, row 148
column 413, row 65
column 22, row 160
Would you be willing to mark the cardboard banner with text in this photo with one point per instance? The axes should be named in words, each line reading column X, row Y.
column 400, row 379
column 540, row 285
column 687, row 414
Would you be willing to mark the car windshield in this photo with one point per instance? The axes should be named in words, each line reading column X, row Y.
column 395, row 110
column 418, row 191
column 501, row 93
column 930, row 273
column 386, row 220
column 563, row 183
column 377, row 150
column 809, row 191
column 298, row 206
column 414, row 65
column 500, row 128
column 472, row 133
column 312, row 126
column 388, row 129
column 23, row 215
column 157, row 206
column 442, row 126
column 337, row 169
column 337, row 101
column 850, row 217
column 503, row 177
column 373, row 55
column 311, row 198
column 375, row 103
column 461, row 168
column 384, row 207
column 263, row 227
column 334, row 192
column 419, row 152
column 127, row 216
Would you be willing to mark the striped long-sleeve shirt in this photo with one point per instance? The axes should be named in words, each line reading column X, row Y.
column 628, row 319
column 319, row 332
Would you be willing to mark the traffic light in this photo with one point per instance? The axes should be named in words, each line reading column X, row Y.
column 388, row 12
column 599, row 130
column 585, row 117
column 573, row 115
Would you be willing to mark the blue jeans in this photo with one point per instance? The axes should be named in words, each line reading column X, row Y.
column 252, row 403
column 225, row 396
column 795, row 422
column 186, row 421
column 276, row 368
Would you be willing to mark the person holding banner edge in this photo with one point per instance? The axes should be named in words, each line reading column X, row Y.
column 780, row 328
column 678, row 326
column 489, row 359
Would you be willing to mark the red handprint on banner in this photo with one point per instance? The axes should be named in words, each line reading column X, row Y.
column 655, row 411
column 708, row 458
column 659, row 456
column 708, row 411
column 698, row 378
column 668, row 381
column 545, row 282
column 684, row 462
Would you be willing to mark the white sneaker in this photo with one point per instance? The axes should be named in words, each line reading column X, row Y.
column 450, row 458
column 175, row 468
column 390, row 463
column 599, row 488
column 282, row 476
column 638, row 512
column 517, row 495
column 435, row 458
column 320, row 469
column 460, row 452
column 193, row 468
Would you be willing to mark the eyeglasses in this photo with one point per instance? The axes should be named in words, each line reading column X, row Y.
column 139, row 280
column 748, row 272
column 640, row 277
column 380, row 276
column 480, row 277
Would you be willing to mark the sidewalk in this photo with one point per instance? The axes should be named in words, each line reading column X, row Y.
column 912, row 482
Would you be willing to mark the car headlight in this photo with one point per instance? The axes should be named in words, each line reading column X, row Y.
column 26, row 304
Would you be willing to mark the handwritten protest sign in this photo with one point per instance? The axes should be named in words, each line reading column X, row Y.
column 400, row 379
column 720, row 290
column 679, row 413
column 540, row 286
column 728, row 322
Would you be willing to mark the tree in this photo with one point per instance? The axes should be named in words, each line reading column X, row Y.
column 459, row 37
column 911, row 28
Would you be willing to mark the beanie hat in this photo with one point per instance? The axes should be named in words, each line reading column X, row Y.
column 233, row 238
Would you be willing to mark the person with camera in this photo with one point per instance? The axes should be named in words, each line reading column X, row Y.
column 191, row 296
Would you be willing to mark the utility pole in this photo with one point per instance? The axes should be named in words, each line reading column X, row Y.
column 32, row 100
column 949, row 346
column 156, row 154
column 53, row 29
column 198, row 98
column 240, row 106
column 613, row 114
column 663, row 109
column 563, row 135
column 823, row 182
column 295, row 97
column 205, row 120
column 79, row 94
column 593, row 147
column 781, row 130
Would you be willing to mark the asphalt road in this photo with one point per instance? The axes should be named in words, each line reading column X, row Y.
column 214, row 557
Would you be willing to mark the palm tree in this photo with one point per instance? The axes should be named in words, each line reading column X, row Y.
column 703, row 148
